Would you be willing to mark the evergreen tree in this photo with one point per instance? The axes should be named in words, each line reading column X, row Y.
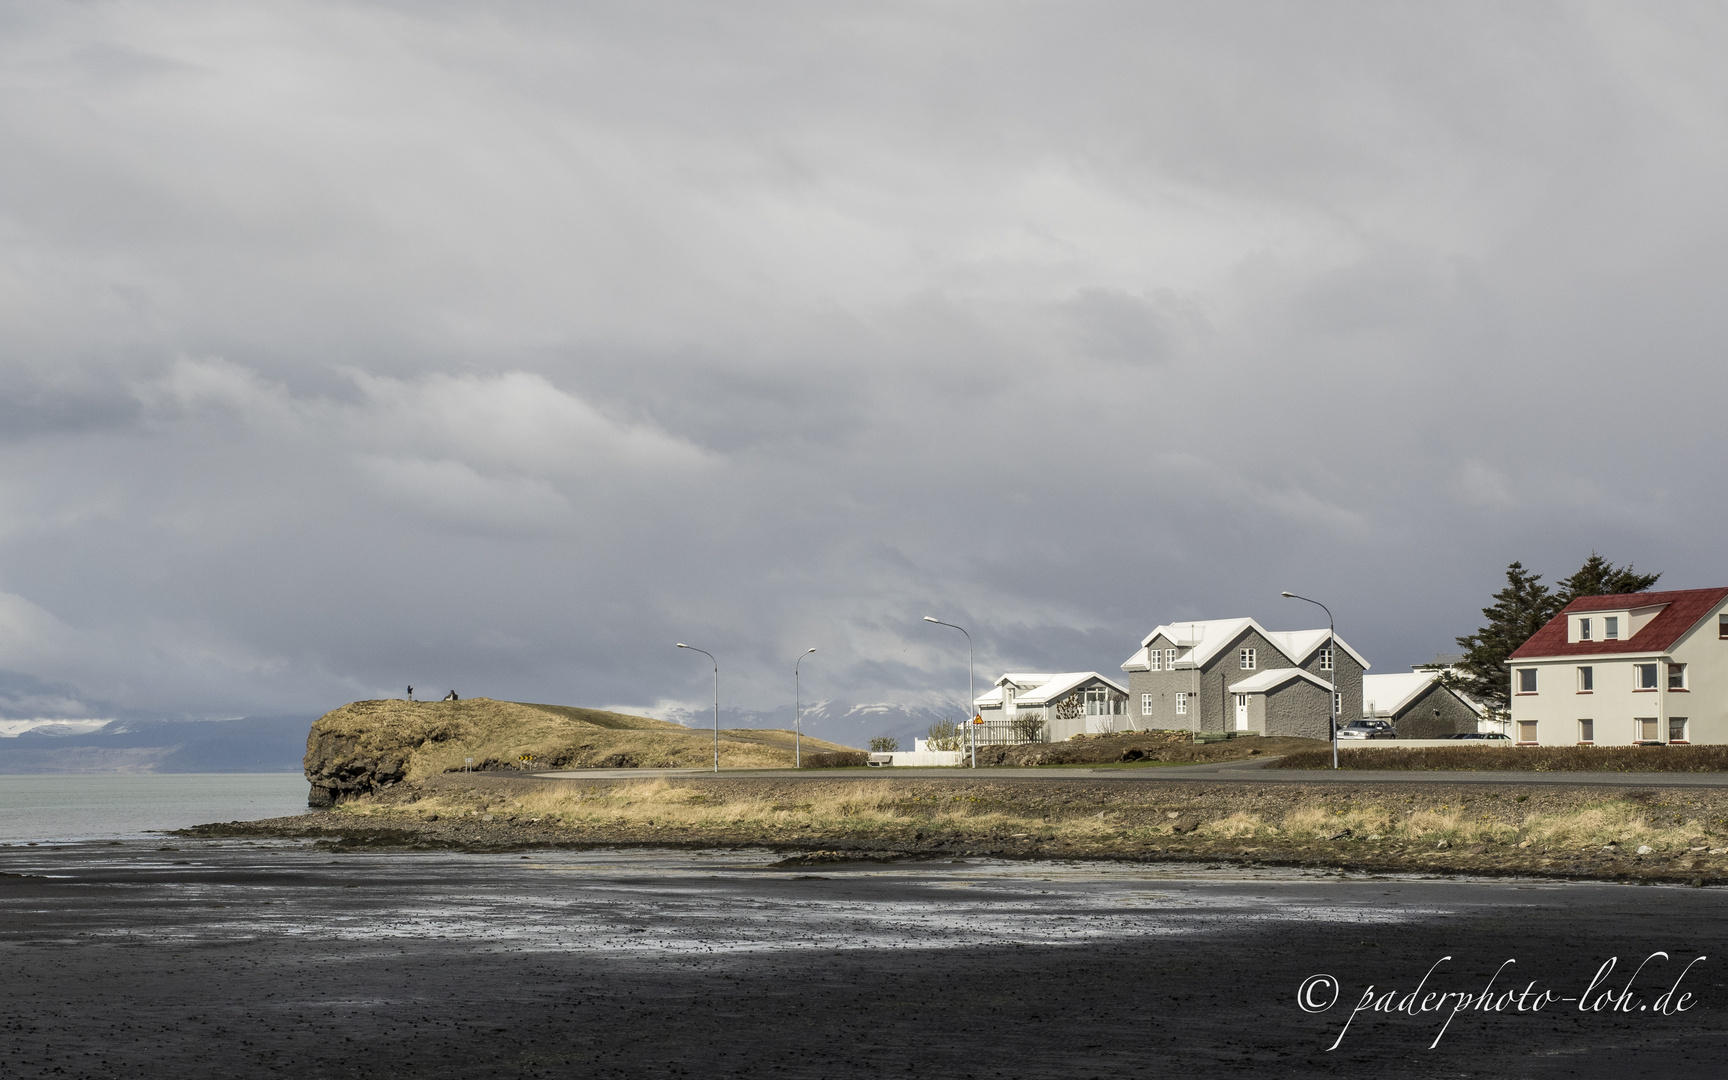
column 1520, row 609
column 1599, row 577
column 1523, row 607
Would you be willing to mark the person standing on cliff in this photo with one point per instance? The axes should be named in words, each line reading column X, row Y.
column 410, row 693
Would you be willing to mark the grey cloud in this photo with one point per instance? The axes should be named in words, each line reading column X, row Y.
column 343, row 347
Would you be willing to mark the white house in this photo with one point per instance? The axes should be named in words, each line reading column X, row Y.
column 1068, row 703
column 1618, row 670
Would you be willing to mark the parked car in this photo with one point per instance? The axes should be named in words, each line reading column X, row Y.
column 1367, row 729
column 1482, row 735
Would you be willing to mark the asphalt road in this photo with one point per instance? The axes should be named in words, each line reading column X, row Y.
column 1213, row 772
column 193, row 960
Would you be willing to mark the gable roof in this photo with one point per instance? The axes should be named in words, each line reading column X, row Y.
column 1681, row 611
column 1199, row 641
column 1262, row 681
column 1389, row 694
column 1052, row 688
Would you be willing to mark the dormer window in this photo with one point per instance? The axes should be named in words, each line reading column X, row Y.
column 1169, row 659
column 1157, row 657
column 1583, row 629
column 1611, row 628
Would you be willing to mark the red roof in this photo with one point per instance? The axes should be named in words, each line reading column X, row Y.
column 1685, row 608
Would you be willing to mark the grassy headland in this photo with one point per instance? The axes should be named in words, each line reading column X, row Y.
column 367, row 745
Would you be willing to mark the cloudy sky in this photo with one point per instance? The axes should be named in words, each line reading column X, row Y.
column 500, row 346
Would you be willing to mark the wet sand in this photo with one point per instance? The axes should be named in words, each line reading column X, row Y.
column 233, row 958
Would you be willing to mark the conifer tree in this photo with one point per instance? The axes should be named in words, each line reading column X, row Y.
column 1520, row 609
column 1523, row 607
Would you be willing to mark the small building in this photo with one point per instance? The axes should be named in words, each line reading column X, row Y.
column 1223, row 675
column 1418, row 705
column 1061, row 706
column 1637, row 668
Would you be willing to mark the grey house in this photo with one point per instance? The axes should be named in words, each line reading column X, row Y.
column 1225, row 675
column 1418, row 706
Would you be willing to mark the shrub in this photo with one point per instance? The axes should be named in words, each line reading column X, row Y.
column 836, row 759
column 884, row 744
column 946, row 735
column 1027, row 728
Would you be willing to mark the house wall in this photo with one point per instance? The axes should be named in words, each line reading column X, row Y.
column 1417, row 720
column 1163, row 686
column 1298, row 708
column 1349, row 680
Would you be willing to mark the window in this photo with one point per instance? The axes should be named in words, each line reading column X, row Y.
column 1676, row 676
column 1181, row 704
column 1722, row 626
column 1586, row 731
column 1643, row 676
column 1338, row 705
column 1526, row 680
column 1145, row 704
column 1586, row 680
column 1326, row 658
column 1583, row 629
column 1527, row 731
column 1676, row 729
column 1611, row 627
column 1157, row 656
column 1246, row 659
column 1169, row 659
column 1644, row 729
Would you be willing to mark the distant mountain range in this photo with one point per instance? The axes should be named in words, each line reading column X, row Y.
column 250, row 744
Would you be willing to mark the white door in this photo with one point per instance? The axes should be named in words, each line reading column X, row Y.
column 1241, row 712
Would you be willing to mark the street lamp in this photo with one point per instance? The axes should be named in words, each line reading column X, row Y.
column 797, row 707
column 971, row 687
column 710, row 656
column 1332, row 654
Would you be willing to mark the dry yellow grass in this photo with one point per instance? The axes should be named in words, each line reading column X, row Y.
column 888, row 810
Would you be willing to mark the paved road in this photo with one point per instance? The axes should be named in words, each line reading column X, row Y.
column 1214, row 772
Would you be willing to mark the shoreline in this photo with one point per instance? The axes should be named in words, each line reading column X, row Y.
column 1458, row 829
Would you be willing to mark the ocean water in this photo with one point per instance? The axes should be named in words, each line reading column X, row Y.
column 96, row 806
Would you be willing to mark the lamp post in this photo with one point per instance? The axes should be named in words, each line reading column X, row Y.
column 971, row 688
column 1332, row 655
column 797, row 708
column 710, row 656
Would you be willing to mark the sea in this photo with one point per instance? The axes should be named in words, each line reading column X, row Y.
column 115, row 806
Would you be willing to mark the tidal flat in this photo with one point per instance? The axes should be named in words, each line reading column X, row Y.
column 256, row 957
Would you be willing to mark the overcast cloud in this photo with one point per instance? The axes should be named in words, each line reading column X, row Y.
column 501, row 346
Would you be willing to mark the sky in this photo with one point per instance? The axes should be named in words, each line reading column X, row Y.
column 500, row 347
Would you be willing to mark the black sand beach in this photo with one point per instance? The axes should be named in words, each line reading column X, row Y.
column 220, row 959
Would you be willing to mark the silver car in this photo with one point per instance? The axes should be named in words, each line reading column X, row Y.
column 1367, row 729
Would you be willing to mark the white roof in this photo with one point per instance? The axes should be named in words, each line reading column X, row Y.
column 1198, row 642
column 1260, row 682
column 1051, row 688
column 1390, row 693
